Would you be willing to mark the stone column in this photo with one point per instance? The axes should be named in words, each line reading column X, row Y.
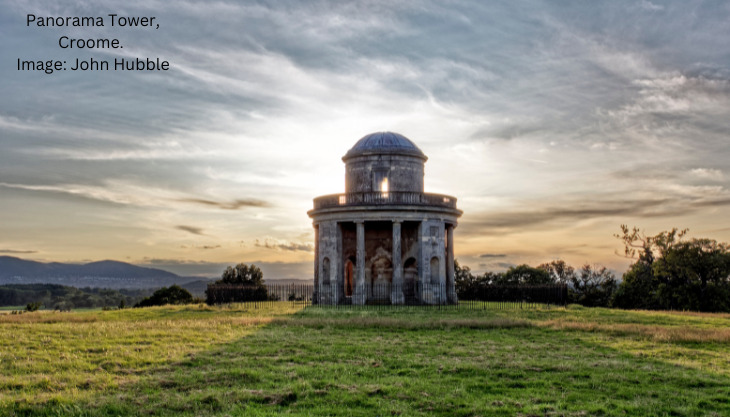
column 396, row 288
column 425, row 296
column 359, row 296
column 450, row 285
column 338, row 276
column 315, row 291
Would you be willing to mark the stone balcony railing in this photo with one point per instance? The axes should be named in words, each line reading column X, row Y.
column 380, row 198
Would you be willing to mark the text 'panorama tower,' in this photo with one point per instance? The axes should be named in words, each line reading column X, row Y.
column 384, row 241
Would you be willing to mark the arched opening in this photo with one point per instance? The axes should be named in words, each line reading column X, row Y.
column 410, row 277
column 349, row 276
column 435, row 270
column 326, row 271
column 381, row 182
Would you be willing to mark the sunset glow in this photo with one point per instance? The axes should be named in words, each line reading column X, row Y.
column 551, row 123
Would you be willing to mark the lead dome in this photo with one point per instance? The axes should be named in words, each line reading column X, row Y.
column 384, row 143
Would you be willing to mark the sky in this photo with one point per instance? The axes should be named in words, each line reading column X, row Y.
column 553, row 123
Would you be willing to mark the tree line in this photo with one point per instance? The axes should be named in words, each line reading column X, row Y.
column 669, row 273
column 61, row 297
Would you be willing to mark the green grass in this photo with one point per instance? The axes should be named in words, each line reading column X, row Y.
column 198, row 360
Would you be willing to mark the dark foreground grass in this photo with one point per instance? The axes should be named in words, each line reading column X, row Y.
column 237, row 361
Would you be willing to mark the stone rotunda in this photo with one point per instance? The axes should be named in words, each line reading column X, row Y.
column 384, row 241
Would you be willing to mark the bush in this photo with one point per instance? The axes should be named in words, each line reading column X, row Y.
column 230, row 293
column 33, row 306
column 592, row 286
column 238, row 284
column 171, row 295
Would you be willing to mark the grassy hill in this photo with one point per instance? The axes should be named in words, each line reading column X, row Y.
column 200, row 360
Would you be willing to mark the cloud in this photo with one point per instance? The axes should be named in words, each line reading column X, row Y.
column 126, row 193
column 493, row 255
column 707, row 174
column 13, row 251
column 505, row 222
column 190, row 229
column 496, row 266
column 647, row 5
column 668, row 108
column 569, row 212
column 203, row 247
column 285, row 246
column 90, row 192
column 712, row 203
column 229, row 205
column 173, row 261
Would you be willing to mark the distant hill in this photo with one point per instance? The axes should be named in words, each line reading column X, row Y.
column 102, row 274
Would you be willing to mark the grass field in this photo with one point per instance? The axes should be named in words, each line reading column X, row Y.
column 281, row 359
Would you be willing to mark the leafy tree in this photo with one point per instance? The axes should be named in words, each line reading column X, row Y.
column 638, row 289
column 238, row 284
column 473, row 287
column 524, row 275
column 648, row 247
column 33, row 306
column 243, row 274
column 674, row 274
column 694, row 275
column 464, row 281
column 592, row 286
column 170, row 295
column 559, row 270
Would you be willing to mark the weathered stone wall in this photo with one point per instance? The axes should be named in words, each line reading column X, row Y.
column 433, row 260
column 404, row 173
column 330, row 265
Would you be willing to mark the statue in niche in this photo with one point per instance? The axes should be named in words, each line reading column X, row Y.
column 382, row 268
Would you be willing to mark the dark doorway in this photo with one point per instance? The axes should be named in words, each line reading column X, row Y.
column 410, row 276
column 349, row 276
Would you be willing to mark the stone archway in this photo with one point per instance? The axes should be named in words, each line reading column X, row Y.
column 349, row 276
column 410, row 278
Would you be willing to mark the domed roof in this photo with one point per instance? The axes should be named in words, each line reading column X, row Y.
column 384, row 143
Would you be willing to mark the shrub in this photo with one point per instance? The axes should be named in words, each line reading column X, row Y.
column 33, row 306
column 238, row 284
column 170, row 295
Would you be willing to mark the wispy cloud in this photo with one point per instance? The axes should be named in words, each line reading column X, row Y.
column 571, row 212
column 203, row 247
column 18, row 252
column 226, row 205
column 707, row 174
column 285, row 246
column 190, row 229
